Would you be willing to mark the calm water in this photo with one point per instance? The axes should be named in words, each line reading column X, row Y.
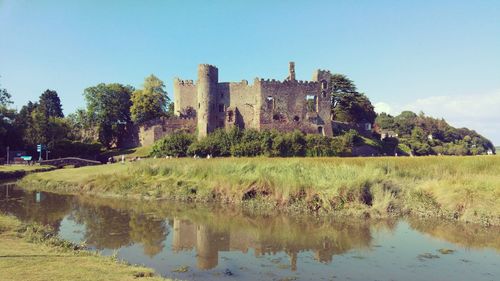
column 213, row 243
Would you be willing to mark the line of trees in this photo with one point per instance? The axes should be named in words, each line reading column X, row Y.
column 107, row 121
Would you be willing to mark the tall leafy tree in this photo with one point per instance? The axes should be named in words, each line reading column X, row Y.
column 50, row 104
column 8, row 135
column 109, row 105
column 150, row 102
column 348, row 105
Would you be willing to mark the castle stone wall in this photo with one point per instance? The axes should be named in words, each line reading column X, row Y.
column 266, row 104
column 158, row 128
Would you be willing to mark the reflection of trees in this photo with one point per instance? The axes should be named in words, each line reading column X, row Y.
column 50, row 210
column 148, row 231
column 113, row 226
column 466, row 235
column 105, row 227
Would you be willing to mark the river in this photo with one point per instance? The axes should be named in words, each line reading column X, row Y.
column 206, row 242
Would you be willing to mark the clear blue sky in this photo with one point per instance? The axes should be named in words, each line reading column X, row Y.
column 442, row 57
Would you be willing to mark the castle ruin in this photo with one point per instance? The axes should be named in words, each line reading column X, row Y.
column 208, row 105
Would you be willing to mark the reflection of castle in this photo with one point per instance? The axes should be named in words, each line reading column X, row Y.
column 208, row 242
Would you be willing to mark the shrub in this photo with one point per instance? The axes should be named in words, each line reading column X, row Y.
column 67, row 148
column 173, row 145
column 317, row 145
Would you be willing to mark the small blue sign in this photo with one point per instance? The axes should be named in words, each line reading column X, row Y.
column 38, row 148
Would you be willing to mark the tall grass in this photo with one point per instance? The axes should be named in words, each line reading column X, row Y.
column 464, row 188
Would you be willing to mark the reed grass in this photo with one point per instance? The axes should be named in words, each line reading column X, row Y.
column 461, row 188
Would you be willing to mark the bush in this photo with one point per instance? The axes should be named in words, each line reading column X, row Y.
column 249, row 143
column 67, row 148
column 173, row 145
column 317, row 145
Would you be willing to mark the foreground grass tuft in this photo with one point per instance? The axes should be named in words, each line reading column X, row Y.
column 460, row 188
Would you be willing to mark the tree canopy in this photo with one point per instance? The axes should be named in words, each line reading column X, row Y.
column 109, row 105
column 348, row 105
column 150, row 102
column 50, row 104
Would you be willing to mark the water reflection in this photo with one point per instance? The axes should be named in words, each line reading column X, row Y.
column 211, row 231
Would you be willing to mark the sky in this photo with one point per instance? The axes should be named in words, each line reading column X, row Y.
column 439, row 57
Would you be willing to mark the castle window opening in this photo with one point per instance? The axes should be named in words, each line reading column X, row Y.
column 276, row 116
column 270, row 103
column 296, row 118
column 321, row 131
column 230, row 115
column 221, row 107
column 312, row 103
column 324, row 84
column 199, row 105
column 323, row 94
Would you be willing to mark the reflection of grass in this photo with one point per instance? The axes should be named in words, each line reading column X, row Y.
column 464, row 188
column 465, row 235
column 47, row 257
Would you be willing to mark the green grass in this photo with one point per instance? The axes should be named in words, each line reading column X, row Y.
column 142, row 152
column 31, row 252
column 462, row 188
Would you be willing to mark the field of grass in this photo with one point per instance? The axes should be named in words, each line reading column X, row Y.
column 460, row 188
column 17, row 171
column 29, row 252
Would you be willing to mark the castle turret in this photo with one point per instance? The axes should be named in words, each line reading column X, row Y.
column 208, row 78
column 291, row 70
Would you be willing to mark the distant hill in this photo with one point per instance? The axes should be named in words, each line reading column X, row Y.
column 419, row 134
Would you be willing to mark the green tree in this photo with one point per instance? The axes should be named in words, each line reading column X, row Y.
column 8, row 134
column 354, row 108
column 50, row 104
column 150, row 102
column 405, row 122
column 385, row 121
column 348, row 105
column 109, row 105
column 82, row 126
column 342, row 84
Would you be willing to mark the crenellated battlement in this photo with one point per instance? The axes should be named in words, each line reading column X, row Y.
column 184, row 82
column 288, row 82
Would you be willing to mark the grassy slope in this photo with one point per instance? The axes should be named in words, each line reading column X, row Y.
column 17, row 171
column 23, row 260
column 141, row 151
column 464, row 188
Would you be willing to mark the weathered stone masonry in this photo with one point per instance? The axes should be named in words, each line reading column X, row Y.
column 266, row 104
